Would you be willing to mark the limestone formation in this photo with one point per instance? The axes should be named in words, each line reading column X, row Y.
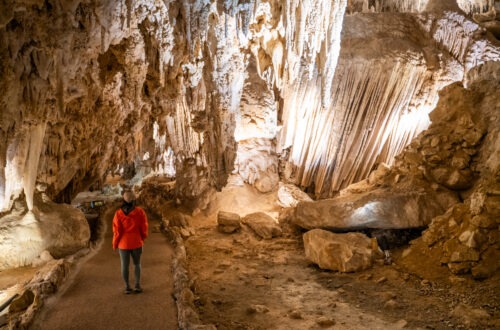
column 331, row 148
column 27, row 236
column 198, row 90
column 457, row 154
column 349, row 252
column 313, row 93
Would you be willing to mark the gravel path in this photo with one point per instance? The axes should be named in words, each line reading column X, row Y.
column 95, row 298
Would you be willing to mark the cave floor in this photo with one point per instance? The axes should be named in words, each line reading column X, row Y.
column 243, row 282
column 94, row 298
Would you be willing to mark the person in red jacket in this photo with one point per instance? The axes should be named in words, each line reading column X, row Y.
column 130, row 229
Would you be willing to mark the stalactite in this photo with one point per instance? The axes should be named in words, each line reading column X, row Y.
column 313, row 28
column 60, row 82
column 340, row 145
column 454, row 32
column 476, row 6
column 128, row 4
column 182, row 136
column 103, row 39
column 37, row 134
column 404, row 6
column 459, row 36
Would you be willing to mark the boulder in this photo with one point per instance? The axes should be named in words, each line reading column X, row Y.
column 325, row 322
column 228, row 222
column 263, row 225
column 350, row 252
column 376, row 209
column 290, row 195
column 59, row 229
column 453, row 178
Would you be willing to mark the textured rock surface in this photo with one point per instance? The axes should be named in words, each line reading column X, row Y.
column 387, row 81
column 228, row 222
column 384, row 209
column 57, row 228
column 290, row 195
column 456, row 155
column 464, row 140
column 197, row 89
column 263, row 225
column 349, row 252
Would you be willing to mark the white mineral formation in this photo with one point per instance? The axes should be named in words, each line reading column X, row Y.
column 59, row 229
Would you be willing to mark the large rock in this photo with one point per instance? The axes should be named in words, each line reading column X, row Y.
column 263, row 225
column 228, row 222
column 349, row 252
column 59, row 229
column 375, row 209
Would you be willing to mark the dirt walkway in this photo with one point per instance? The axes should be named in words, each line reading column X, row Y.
column 95, row 298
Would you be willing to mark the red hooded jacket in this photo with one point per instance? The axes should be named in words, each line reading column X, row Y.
column 129, row 231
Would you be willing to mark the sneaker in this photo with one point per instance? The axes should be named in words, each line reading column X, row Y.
column 138, row 289
column 387, row 257
column 127, row 290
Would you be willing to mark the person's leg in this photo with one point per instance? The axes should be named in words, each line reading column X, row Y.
column 125, row 262
column 136, row 257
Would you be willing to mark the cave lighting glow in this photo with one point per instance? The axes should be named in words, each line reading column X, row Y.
column 13, row 185
column 366, row 214
column 408, row 126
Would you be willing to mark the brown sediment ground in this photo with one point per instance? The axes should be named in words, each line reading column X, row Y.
column 243, row 282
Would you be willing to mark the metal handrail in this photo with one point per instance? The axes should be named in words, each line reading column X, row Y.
column 8, row 302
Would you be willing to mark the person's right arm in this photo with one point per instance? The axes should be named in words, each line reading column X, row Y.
column 116, row 231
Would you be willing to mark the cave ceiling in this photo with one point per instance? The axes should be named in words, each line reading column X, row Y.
column 314, row 93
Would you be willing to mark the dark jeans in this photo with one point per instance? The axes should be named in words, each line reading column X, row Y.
column 125, row 259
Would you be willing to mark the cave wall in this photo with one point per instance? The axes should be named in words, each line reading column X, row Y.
column 316, row 92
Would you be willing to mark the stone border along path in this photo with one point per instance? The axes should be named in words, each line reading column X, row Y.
column 94, row 298
column 186, row 311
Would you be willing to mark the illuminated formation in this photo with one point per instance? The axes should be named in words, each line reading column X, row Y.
column 309, row 95
column 261, row 136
